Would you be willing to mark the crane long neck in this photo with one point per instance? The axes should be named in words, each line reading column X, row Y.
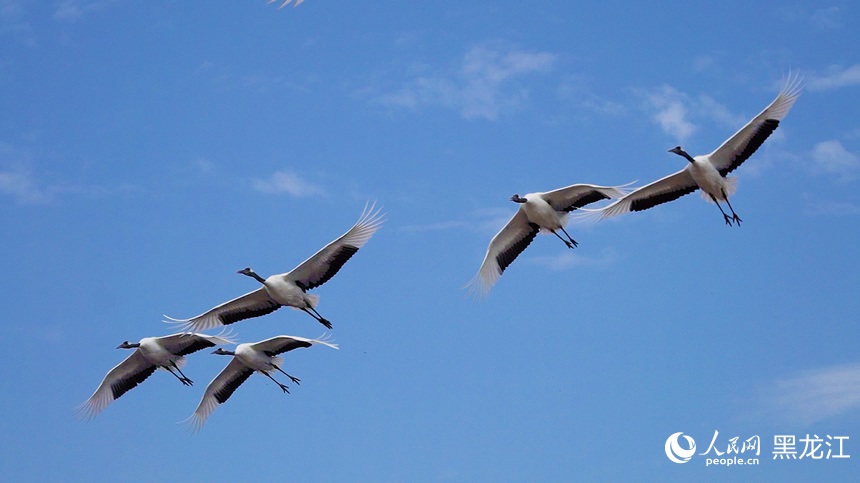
column 257, row 277
column 689, row 158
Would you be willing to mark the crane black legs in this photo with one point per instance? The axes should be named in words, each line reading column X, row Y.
column 294, row 379
column 282, row 386
column 313, row 313
column 183, row 379
column 571, row 243
column 734, row 217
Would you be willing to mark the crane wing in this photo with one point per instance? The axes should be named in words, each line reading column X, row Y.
column 504, row 248
column 252, row 304
column 218, row 391
column 663, row 190
column 118, row 381
column 285, row 343
column 738, row 148
column 183, row 343
column 324, row 264
column 576, row 196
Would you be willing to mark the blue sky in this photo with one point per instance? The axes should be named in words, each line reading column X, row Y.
column 148, row 150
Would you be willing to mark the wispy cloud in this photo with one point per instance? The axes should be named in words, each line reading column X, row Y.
column 73, row 10
column 10, row 8
column 23, row 181
column 23, row 187
column 203, row 165
column 829, row 18
column 13, row 22
column 835, row 77
column 826, row 18
column 675, row 111
column 831, row 157
column 568, row 260
column 487, row 220
column 575, row 89
column 831, row 208
column 287, row 182
column 704, row 63
column 27, row 188
column 811, row 396
column 484, row 83
column 670, row 111
column 438, row 226
column 265, row 83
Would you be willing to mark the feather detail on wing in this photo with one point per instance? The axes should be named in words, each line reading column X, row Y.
column 504, row 248
column 324, row 264
column 218, row 391
column 118, row 381
column 738, row 148
column 252, row 304
column 185, row 343
column 576, row 196
column 287, row 2
column 661, row 191
column 285, row 343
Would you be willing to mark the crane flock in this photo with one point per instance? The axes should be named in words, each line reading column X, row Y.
column 287, row 289
column 539, row 212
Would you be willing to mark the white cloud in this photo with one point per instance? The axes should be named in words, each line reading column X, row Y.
column 438, row 226
column 22, row 179
column 574, row 88
column 827, row 18
column 13, row 21
column 204, row 165
column 704, row 63
column 483, row 85
column 287, row 182
column 831, row 157
column 835, row 77
column 675, row 111
column 23, row 188
column 568, row 260
column 68, row 11
column 811, row 396
column 670, row 112
column 487, row 221
column 73, row 10
column 708, row 107
column 831, row 208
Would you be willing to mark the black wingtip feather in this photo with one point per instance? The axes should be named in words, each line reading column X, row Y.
column 196, row 345
column 506, row 257
column 586, row 199
column 762, row 133
column 228, row 389
column 121, row 387
column 228, row 318
column 337, row 260
column 652, row 201
column 294, row 344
